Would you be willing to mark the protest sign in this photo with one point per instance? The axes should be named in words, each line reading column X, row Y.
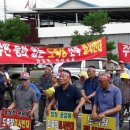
column 60, row 120
column 15, row 118
column 106, row 123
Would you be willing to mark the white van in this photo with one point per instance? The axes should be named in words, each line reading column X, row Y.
column 76, row 67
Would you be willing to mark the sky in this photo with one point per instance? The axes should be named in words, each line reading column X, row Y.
column 19, row 5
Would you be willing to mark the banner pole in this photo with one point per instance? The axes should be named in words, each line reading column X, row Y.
column 23, row 67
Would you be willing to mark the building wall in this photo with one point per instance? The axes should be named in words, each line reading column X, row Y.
column 56, row 40
column 125, row 38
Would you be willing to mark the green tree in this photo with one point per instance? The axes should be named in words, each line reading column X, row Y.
column 96, row 20
column 14, row 30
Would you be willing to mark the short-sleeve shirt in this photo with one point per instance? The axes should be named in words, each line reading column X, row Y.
column 67, row 98
column 108, row 99
column 24, row 98
column 90, row 86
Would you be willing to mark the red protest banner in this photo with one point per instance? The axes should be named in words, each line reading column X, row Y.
column 15, row 118
column 124, row 52
column 11, row 53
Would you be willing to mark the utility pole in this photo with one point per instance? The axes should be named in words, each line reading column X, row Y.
column 5, row 10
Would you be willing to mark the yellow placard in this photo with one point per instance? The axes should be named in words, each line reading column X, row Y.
column 107, row 123
column 60, row 120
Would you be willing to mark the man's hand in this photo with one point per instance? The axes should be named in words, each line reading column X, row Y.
column 100, row 116
column 87, row 99
column 94, row 115
column 76, row 112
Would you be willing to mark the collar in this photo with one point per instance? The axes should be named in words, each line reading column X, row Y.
column 109, row 89
column 66, row 88
column 22, row 88
column 92, row 79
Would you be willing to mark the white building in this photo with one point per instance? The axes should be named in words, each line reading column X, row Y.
column 57, row 25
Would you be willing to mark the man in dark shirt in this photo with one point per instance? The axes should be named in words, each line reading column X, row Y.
column 67, row 95
column 44, row 83
column 88, row 91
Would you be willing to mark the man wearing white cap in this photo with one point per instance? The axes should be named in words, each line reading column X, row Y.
column 107, row 101
column 116, row 80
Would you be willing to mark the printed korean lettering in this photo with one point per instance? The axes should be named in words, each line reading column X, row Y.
column 66, row 125
column 4, row 48
column 54, row 114
column 126, row 50
column 104, row 122
column 65, row 115
column 57, row 53
column 9, row 112
column 21, row 51
column 73, row 51
column 37, row 53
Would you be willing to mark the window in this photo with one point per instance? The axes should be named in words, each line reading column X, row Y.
column 72, row 65
column 92, row 62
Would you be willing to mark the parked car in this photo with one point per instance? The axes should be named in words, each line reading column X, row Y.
column 36, row 71
column 76, row 67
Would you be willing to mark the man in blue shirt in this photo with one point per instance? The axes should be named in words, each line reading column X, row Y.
column 88, row 91
column 67, row 95
column 107, row 101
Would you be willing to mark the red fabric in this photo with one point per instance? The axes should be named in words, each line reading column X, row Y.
column 18, row 118
column 11, row 53
column 124, row 52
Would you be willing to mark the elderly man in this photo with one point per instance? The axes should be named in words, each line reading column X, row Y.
column 116, row 77
column 25, row 97
column 109, row 66
column 67, row 95
column 107, row 101
column 88, row 91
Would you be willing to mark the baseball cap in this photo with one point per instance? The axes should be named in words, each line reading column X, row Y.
column 104, row 76
column 24, row 75
column 118, row 68
column 121, row 62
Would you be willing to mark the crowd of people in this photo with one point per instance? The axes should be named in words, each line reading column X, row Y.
column 105, row 94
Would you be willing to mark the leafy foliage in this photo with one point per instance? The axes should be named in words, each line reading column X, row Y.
column 14, row 30
column 96, row 20
column 77, row 38
column 111, row 46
